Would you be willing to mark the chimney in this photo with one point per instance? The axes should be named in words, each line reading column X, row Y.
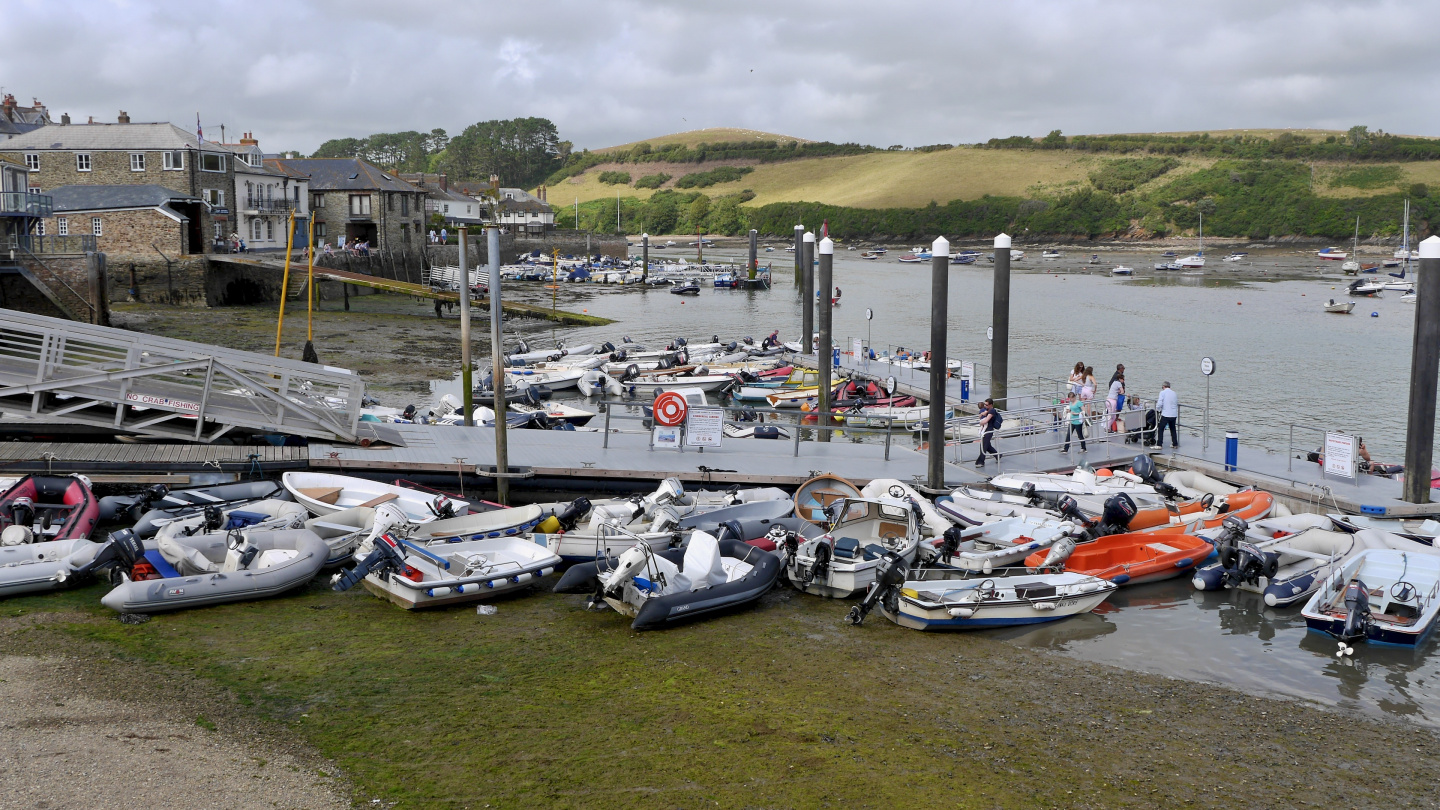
column 91, row 121
column 124, row 118
column 444, row 183
column 64, row 119
column 9, row 106
column 542, row 194
column 40, row 108
column 247, row 139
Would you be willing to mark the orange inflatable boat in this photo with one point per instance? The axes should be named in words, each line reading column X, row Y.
column 1130, row 559
column 1192, row 516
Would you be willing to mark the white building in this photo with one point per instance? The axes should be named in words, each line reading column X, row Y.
column 266, row 193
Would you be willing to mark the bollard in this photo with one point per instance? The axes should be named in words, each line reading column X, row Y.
column 754, row 264
column 644, row 258
column 497, row 368
column 1424, row 359
column 1000, row 323
column 467, row 396
column 799, row 252
column 1232, row 450
column 823, row 353
column 807, row 294
column 939, row 370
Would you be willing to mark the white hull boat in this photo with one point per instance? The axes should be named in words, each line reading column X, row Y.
column 842, row 563
column 1379, row 597
column 941, row 600
column 1339, row 307
column 325, row 493
column 36, row 567
column 418, row 574
column 556, row 379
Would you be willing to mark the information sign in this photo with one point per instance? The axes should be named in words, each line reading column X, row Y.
column 705, row 427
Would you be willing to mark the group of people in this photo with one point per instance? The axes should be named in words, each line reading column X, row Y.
column 443, row 238
column 1082, row 390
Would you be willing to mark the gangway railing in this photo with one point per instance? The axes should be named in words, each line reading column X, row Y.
column 62, row 371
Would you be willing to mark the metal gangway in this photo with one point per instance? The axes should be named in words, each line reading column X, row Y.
column 62, row 371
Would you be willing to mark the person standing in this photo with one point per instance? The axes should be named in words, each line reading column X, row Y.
column 1168, row 404
column 990, row 420
column 1114, row 399
column 1077, row 422
column 432, row 236
column 444, row 237
column 1119, row 373
column 1087, row 385
column 1077, row 378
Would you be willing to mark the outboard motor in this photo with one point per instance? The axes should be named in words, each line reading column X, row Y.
column 1144, row 468
column 631, row 372
column 408, row 413
column 1119, row 511
column 786, row 542
column 666, row 519
column 605, row 348
column 522, row 348
column 441, row 507
column 821, row 565
column 384, row 559
column 620, row 356
column 120, row 554
column 1027, row 491
column 22, row 512
column 147, row 499
column 950, row 543
column 748, row 340
column 665, row 362
column 889, row 576
column 731, row 346
column 1357, row 617
column 626, row 339
column 732, row 528
column 570, row 516
column 1070, row 508
column 1060, row 552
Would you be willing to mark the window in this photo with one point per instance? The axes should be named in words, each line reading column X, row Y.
column 82, row 161
column 270, row 229
column 219, row 235
column 211, row 162
column 509, row 195
column 32, row 161
column 359, row 205
column 255, row 230
column 39, row 227
column 174, row 161
column 320, row 229
column 95, row 226
column 405, row 233
column 447, row 208
column 137, row 161
column 404, row 205
column 390, row 201
column 215, row 197
column 297, row 196
column 62, row 226
column 317, row 200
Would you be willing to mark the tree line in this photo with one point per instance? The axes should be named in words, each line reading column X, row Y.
column 1358, row 143
column 522, row 151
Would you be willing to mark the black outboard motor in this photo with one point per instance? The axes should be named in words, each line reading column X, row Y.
column 122, row 551
column 441, row 507
column 522, row 348
column 22, row 512
column 748, row 340
column 1357, row 614
column 714, row 338
column 1027, row 491
column 631, row 372
column 819, row 567
column 665, row 362
column 214, row 518
column 731, row 346
column 384, row 560
column 950, row 543
column 889, row 576
column 732, row 528
column 1119, row 511
column 1070, row 508
column 408, row 413
column 570, row 516
column 1144, row 467
column 605, row 348
column 620, row 356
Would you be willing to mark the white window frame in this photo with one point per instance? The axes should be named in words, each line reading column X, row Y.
column 83, row 162
column 254, row 230
column 137, row 161
column 62, row 226
column 363, row 206
column 270, row 230
column 219, row 161
column 215, row 197
column 32, row 161
column 39, row 227
column 97, row 228
column 174, row 161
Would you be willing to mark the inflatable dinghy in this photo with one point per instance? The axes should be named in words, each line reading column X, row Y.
column 216, row 568
column 35, row 567
column 41, row 508
column 661, row 588
column 938, row 600
column 180, row 502
column 421, row 574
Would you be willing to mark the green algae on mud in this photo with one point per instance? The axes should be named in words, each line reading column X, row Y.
column 547, row 704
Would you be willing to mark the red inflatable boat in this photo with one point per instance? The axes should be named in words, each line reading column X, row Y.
column 47, row 507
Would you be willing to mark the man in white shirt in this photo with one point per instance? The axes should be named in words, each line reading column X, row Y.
column 1168, row 404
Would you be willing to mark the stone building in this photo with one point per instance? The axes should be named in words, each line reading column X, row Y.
column 125, row 221
column 351, row 199
column 124, row 154
column 17, row 120
column 456, row 207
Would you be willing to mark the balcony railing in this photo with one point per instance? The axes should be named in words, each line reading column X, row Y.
column 256, row 204
column 37, row 244
column 25, row 204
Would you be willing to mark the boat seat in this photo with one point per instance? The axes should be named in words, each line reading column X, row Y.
column 846, row 548
column 162, row 565
column 239, row 520
column 1034, row 590
column 1162, row 548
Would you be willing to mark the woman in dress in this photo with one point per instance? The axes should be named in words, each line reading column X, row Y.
column 1077, row 378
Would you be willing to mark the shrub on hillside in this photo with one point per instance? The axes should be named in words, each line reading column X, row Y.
column 722, row 174
column 615, row 178
column 652, row 180
column 1120, row 176
column 1367, row 177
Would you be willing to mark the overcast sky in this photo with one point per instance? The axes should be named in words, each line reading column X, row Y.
column 299, row 72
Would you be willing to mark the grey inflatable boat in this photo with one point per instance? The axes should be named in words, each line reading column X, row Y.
column 220, row 567
column 160, row 506
column 35, row 567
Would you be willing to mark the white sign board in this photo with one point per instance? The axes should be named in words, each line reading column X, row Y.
column 967, row 372
column 705, row 427
column 1340, row 453
column 665, row 438
column 857, row 347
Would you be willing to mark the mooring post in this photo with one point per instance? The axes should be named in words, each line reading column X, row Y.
column 497, row 367
column 466, row 394
column 644, row 258
column 823, row 353
column 807, row 292
column 799, row 252
column 1424, row 367
column 1000, row 324
column 939, row 369
column 754, row 258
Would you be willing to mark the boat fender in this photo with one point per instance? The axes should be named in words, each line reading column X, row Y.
column 962, row 612
column 1185, row 563
column 1121, row 579
column 1043, row 605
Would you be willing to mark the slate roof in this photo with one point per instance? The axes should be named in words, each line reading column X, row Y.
column 81, row 137
column 100, row 198
column 344, row 174
column 521, row 200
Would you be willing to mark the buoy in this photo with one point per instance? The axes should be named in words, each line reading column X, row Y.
column 1374, row 314
column 1239, row 303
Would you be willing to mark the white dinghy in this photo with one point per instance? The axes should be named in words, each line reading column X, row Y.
column 326, row 493
column 841, row 564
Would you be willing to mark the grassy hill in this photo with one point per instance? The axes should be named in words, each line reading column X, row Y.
column 709, row 135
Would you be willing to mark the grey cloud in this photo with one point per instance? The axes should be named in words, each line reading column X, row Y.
column 302, row 71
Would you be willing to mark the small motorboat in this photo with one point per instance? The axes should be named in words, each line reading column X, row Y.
column 910, row 258
column 175, row 502
column 1169, row 254
column 1366, row 286
column 44, row 566
column 841, row 563
column 942, row 599
column 814, row 497
column 1050, row 254
column 1168, row 266
column 1332, row 254
column 1192, row 262
column 44, row 508
column 662, row 588
column 1409, row 297
column 1421, row 530
column 686, row 287
column 1134, row 558
column 1238, row 256
column 556, row 379
column 870, row 254
column 803, row 396
column 217, row 567
column 1339, row 307
column 996, row 544
column 1122, row 270
column 594, row 383
column 325, row 493
column 1380, row 596
column 422, row 574
column 480, row 525
column 1094, row 259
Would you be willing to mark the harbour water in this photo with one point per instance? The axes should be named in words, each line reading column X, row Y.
column 1280, row 360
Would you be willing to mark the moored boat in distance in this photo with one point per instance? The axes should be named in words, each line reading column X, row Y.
column 1333, row 254
column 1237, row 257
column 1122, row 270
column 1339, row 307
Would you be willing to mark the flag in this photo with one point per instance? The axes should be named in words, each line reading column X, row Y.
column 825, row 229
column 199, row 133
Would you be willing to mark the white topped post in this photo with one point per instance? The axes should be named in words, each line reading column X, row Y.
column 939, row 369
column 1000, row 323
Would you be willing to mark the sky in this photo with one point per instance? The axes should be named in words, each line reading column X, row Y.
column 299, row 72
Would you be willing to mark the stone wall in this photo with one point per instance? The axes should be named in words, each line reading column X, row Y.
column 127, row 233
column 180, row 280
column 74, row 284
